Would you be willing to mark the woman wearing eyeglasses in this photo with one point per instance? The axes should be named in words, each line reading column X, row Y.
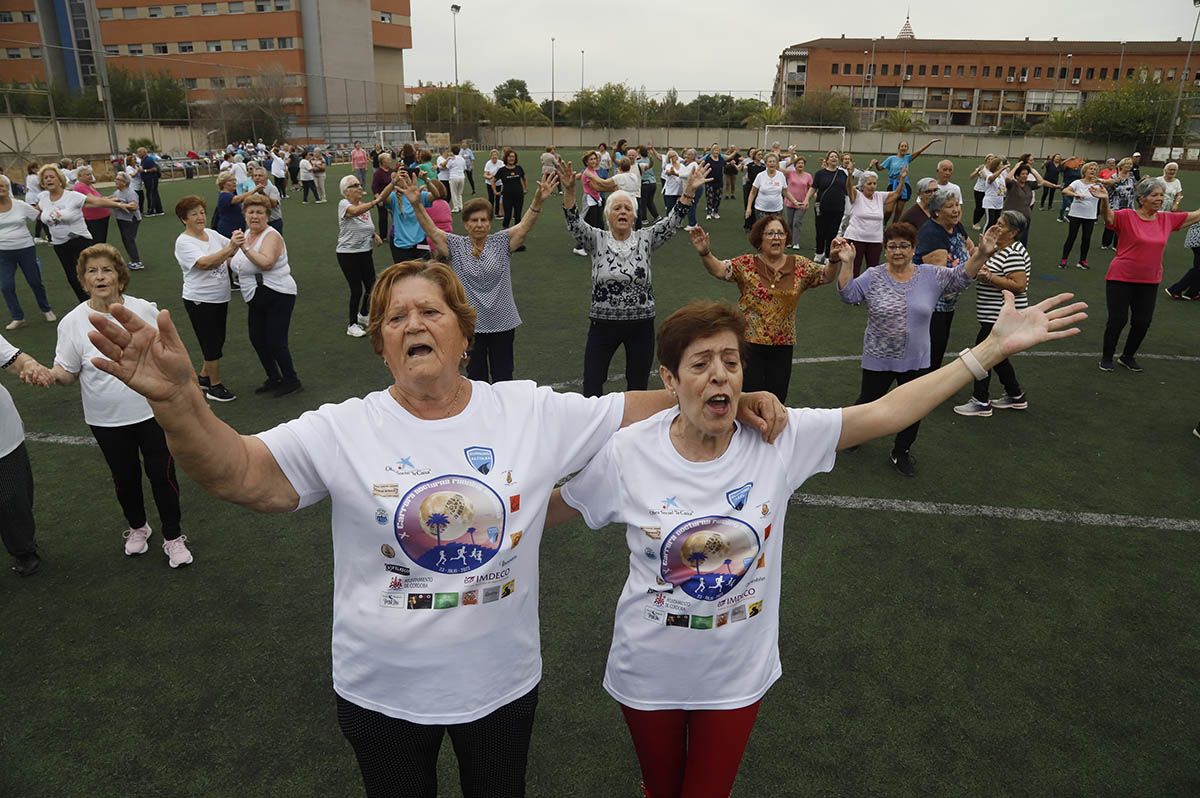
column 900, row 296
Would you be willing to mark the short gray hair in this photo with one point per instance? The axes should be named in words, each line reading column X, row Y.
column 613, row 197
column 1147, row 185
column 1015, row 221
column 924, row 183
column 940, row 198
column 865, row 176
column 344, row 184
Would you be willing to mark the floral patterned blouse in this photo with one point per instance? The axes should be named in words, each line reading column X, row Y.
column 771, row 312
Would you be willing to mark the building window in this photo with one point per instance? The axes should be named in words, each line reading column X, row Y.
column 212, row 47
column 180, row 11
column 921, row 70
column 283, row 5
column 835, row 68
column 13, row 52
column 885, row 69
column 35, row 52
column 858, row 69
column 240, row 45
column 895, row 69
column 190, row 83
column 1037, row 73
column 186, row 47
column 236, row 8
column 285, row 42
column 845, row 69
column 1012, row 72
column 960, row 72
column 6, row 16
column 936, row 69
column 242, row 81
column 1129, row 74
column 159, row 49
column 1077, row 73
column 208, row 9
column 105, row 13
column 154, row 12
column 1170, row 73
column 129, row 13
column 134, row 49
column 1091, row 73
column 908, row 69
column 262, row 5
column 269, row 44
column 217, row 83
column 1103, row 73
column 1158, row 76
column 987, row 71
column 385, row 17
column 29, row 16
column 111, row 49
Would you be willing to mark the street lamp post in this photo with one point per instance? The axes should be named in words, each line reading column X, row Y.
column 553, row 110
column 581, row 57
column 1182, row 80
column 1121, row 63
column 454, row 9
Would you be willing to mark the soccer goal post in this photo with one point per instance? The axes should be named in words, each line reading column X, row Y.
column 811, row 138
column 395, row 138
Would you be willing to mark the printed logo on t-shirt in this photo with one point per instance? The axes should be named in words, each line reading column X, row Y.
column 406, row 468
column 670, row 505
column 451, row 524
column 738, row 496
column 481, row 458
column 707, row 557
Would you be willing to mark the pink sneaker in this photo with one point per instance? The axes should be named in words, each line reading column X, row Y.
column 135, row 540
column 177, row 551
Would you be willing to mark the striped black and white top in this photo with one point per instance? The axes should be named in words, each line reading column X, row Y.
column 622, row 288
column 989, row 298
column 488, row 280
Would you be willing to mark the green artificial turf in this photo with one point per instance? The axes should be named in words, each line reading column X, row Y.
column 922, row 654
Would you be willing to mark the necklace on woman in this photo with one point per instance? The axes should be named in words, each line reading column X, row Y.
column 449, row 407
column 775, row 275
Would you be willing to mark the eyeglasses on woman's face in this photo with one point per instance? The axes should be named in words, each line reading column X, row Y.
column 896, row 246
column 775, row 234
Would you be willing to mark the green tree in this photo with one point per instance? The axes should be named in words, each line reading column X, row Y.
column 439, row 105
column 511, row 89
column 668, row 111
column 1057, row 123
column 744, row 107
column 709, row 109
column 821, row 108
column 1015, row 126
column 1137, row 109
column 559, row 110
column 768, row 115
column 526, row 112
column 902, row 121
column 611, row 105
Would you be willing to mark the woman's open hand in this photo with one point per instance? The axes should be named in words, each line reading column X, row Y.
column 1018, row 330
column 546, row 186
column 700, row 240
column 841, row 251
column 566, row 175
column 697, row 178
column 152, row 362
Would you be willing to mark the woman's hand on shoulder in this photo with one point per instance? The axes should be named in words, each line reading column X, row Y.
column 764, row 412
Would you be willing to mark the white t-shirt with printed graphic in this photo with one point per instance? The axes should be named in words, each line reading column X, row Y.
column 697, row 623
column 12, row 431
column 436, row 529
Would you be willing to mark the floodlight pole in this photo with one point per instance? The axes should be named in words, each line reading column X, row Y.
column 454, row 9
column 553, row 114
column 1182, row 80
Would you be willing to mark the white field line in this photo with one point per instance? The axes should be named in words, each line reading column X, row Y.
column 803, row 361
column 1006, row 513
column 69, row 440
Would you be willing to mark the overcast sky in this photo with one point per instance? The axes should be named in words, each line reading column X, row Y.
column 720, row 50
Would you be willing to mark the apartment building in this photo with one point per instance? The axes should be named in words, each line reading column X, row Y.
column 329, row 56
column 979, row 83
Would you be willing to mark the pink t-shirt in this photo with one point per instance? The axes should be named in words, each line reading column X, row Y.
column 358, row 158
column 1140, row 245
column 588, row 188
column 90, row 214
column 798, row 184
column 442, row 218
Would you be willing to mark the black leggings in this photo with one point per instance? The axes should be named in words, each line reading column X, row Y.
column 768, row 368
column 470, row 175
column 826, row 225
column 1189, row 284
column 494, row 198
column 1108, row 238
column 309, row 185
column 1004, row 370
column 1088, row 225
column 121, row 446
column 514, row 203
column 99, row 229
column 1126, row 300
column 939, row 337
column 874, row 385
column 646, row 206
column 359, row 270
column 269, row 316
column 1047, row 200
column 978, row 213
column 492, row 356
column 281, row 184
column 604, row 337
column 398, row 758
column 68, row 256
column 16, row 503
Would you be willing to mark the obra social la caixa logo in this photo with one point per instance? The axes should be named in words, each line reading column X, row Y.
column 451, row 525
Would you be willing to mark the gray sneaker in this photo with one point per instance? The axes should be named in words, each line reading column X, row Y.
column 974, row 407
column 1007, row 402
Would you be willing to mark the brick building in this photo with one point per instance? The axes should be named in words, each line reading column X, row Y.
column 968, row 82
column 324, row 55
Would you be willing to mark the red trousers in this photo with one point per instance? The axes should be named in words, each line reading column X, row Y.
column 690, row 754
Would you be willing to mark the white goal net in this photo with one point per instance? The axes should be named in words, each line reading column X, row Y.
column 395, row 138
column 809, row 138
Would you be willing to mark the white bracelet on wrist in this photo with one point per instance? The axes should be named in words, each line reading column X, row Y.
column 972, row 363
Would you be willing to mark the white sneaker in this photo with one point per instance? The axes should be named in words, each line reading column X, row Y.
column 580, row 251
column 135, row 540
column 707, row 216
column 177, row 552
column 355, row 331
column 974, row 407
column 716, row 216
column 49, row 314
column 691, row 227
column 15, row 324
column 363, row 321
